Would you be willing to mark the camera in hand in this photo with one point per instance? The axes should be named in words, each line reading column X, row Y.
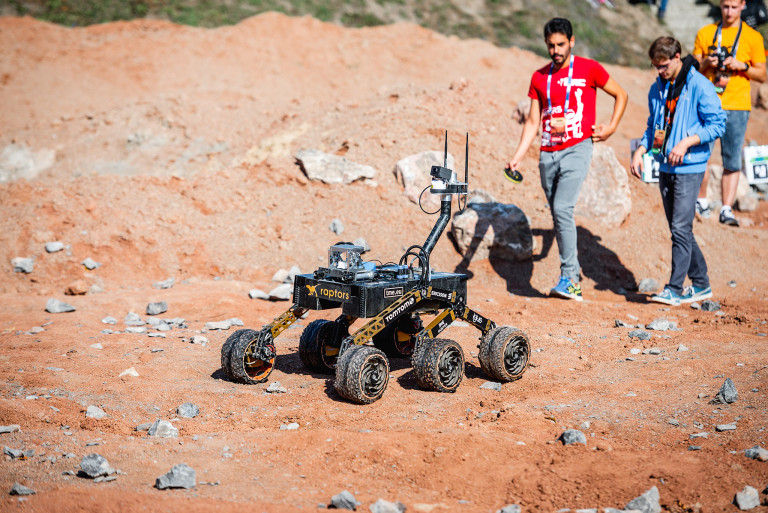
column 721, row 54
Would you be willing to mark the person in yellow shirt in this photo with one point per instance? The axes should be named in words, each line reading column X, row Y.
column 731, row 53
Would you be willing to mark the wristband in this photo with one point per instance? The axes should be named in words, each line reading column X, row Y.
column 747, row 67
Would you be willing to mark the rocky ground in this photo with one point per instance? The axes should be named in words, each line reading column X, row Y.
column 161, row 151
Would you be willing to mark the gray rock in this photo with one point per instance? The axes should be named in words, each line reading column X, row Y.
column 53, row 247
column 18, row 453
column 23, row 265
column 133, row 319
column 165, row 284
column 144, row 427
column 661, row 325
column 648, row 286
column 618, row 323
column 362, row 243
column 218, row 325
column 289, row 427
column 282, row 292
column 199, row 339
column 337, row 226
column 694, row 436
column 492, row 230
column 412, row 173
column 382, row 506
column 91, row 264
column 727, row 393
column 747, row 499
column 180, row 476
column 276, row 388
column 332, row 169
column 20, row 489
column 681, row 348
column 605, row 195
column 282, row 276
column 157, row 308
column 573, row 436
column 163, row 429
column 293, row 272
column 136, row 329
column 258, row 294
column 710, row 306
column 56, row 306
column 10, row 429
column 640, row 335
column 94, row 412
column 344, row 500
column 109, row 320
column 756, row 453
column 725, row 427
column 188, row 410
column 647, row 502
column 95, row 465
column 490, row 385
column 511, row 508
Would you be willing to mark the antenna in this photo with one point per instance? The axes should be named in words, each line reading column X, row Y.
column 445, row 155
column 466, row 162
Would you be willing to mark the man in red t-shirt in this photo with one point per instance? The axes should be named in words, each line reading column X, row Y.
column 563, row 95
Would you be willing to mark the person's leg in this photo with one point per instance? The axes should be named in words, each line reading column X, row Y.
column 574, row 165
column 731, row 144
column 702, row 202
column 678, row 193
column 697, row 269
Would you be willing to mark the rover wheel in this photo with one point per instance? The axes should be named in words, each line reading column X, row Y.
column 318, row 348
column 246, row 363
column 504, row 353
column 439, row 365
column 397, row 341
column 362, row 374
column 226, row 348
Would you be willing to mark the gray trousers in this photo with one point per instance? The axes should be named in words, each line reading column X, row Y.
column 562, row 175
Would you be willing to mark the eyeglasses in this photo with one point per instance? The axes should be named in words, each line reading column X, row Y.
column 663, row 67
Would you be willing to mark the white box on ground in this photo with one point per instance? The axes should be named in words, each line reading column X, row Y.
column 756, row 163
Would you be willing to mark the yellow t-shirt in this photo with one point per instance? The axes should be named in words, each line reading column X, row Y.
column 737, row 94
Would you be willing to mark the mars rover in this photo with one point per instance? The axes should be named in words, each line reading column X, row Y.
column 394, row 297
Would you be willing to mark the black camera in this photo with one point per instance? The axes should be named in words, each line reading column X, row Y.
column 721, row 53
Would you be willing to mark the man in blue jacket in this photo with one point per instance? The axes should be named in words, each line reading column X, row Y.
column 685, row 117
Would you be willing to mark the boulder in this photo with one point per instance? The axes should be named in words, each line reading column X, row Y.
column 497, row 230
column 413, row 174
column 605, row 195
column 746, row 199
column 332, row 169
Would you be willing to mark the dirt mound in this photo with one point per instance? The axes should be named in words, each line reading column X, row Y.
column 174, row 157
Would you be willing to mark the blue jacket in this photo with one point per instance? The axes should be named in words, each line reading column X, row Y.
column 698, row 112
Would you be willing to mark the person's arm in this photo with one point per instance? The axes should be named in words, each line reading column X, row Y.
column 530, row 129
column 601, row 132
column 754, row 72
column 712, row 123
column 636, row 166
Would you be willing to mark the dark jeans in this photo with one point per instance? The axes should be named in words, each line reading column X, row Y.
column 678, row 193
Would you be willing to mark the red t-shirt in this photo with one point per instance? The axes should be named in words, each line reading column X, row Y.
column 588, row 75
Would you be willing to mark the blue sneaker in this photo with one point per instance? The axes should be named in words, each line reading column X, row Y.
column 667, row 297
column 691, row 294
column 566, row 289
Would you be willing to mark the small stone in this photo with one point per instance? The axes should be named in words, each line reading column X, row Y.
column 710, row 306
column 694, row 447
column 618, row 323
column 276, row 387
column 199, row 339
column 635, row 350
column 659, row 325
column 673, row 422
column 76, row 288
column 20, row 489
column 218, row 325
column 144, row 427
column 694, row 436
column 383, row 506
column 163, row 429
column 165, row 284
column 646, row 503
column 56, row 306
column 511, row 508
column 10, row 429
column 573, row 436
column 681, row 348
column 337, row 226
column 95, row 465
column 180, row 476
column 757, row 453
column 289, row 427
column 53, row 247
column 490, row 385
column 257, row 294
column 345, row 500
column 91, row 264
column 282, row 292
column 732, row 283
column 133, row 319
column 362, row 243
column 23, row 265
column 109, row 320
column 640, row 335
column 747, row 499
column 135, row 329
column 94, row 412
column 157, row 308
column 727, row 393
column 129, row 372
column 188, row 410
column 157, row 335
column 648, row 285
column 725, row 427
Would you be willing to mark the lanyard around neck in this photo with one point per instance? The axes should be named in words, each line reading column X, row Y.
column 719, row 38
column 664, row 97
column 567, row 89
